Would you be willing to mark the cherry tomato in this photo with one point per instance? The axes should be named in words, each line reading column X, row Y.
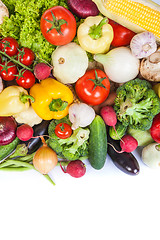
column 26, row 79
column 122, row 35
column 0, row 59
column 155, row 128
column 8, row 70
column 58, row 25
column 93, row 87
column 63, row 130
column 9, row 45
column 26, row 56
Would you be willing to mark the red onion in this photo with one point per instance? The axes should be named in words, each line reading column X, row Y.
column 8, row 128
column 83, row 9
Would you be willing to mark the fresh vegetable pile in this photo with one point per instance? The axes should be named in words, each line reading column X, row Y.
column 75, row 86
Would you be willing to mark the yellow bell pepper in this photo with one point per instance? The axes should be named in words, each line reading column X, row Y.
column 156, row 88
column 95, row 35
column 14, row 99
column 52, row 99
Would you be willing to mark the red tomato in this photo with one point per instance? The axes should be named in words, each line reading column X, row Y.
column 58, row 25
column 122, row 35
column 93, row 87
column 8, row 70
column 26, row 56
column 63, row 130
column 26, row 79
column 9, row 45
column 155, row 128
column 0, row 59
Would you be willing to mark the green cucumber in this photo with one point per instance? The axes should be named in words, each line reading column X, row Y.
column 97, row 143
column 6, row 150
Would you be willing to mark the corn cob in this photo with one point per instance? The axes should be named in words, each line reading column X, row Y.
column 137, row 15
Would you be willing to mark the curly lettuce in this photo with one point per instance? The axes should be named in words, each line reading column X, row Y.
column 24, row 24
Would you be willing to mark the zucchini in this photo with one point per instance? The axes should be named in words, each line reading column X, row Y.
column 6, row 150
column 97, row 143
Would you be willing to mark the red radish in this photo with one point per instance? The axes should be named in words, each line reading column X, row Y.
column 155, row 128
column 8, row 128
column 109, row 116
column 128, row 144
column 75, row 168
column 42, row 71
column 24, row 132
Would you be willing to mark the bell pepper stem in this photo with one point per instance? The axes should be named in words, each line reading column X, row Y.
column 57, row 105
column 25, row 97
column 95, row 31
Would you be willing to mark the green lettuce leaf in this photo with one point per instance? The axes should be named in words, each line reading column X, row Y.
column 24, row 24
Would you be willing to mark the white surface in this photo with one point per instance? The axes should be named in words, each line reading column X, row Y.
column 103, row 205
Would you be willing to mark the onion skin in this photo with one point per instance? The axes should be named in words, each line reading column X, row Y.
column 45, row 159
column 8, row 128
column 83, row 9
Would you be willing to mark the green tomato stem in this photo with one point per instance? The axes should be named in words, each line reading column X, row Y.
column 15, row 61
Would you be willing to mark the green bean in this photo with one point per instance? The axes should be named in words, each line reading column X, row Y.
column 16, row 169
column 5, row 164
column 25, row 158
column 15, row 165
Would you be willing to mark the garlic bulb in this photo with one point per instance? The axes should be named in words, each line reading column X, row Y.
column 143, row 44
column 81, row 115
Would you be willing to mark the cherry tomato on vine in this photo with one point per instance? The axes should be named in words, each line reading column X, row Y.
column 26, row 79
column 93, row 87
column 8, row 70
column 122, row 35
column 63, row 130
column 9, row 45
column 58, row 25
column 26, row 56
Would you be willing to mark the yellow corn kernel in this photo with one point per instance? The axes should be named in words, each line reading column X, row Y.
column 137, row 13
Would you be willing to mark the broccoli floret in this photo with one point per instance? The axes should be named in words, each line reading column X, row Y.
column 136, row 104
column 72, row 148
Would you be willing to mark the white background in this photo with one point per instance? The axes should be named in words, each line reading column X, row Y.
column 105, row 204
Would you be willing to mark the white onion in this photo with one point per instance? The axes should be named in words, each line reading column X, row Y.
column 119, row 64
column 143, row 44
column 81, row 115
